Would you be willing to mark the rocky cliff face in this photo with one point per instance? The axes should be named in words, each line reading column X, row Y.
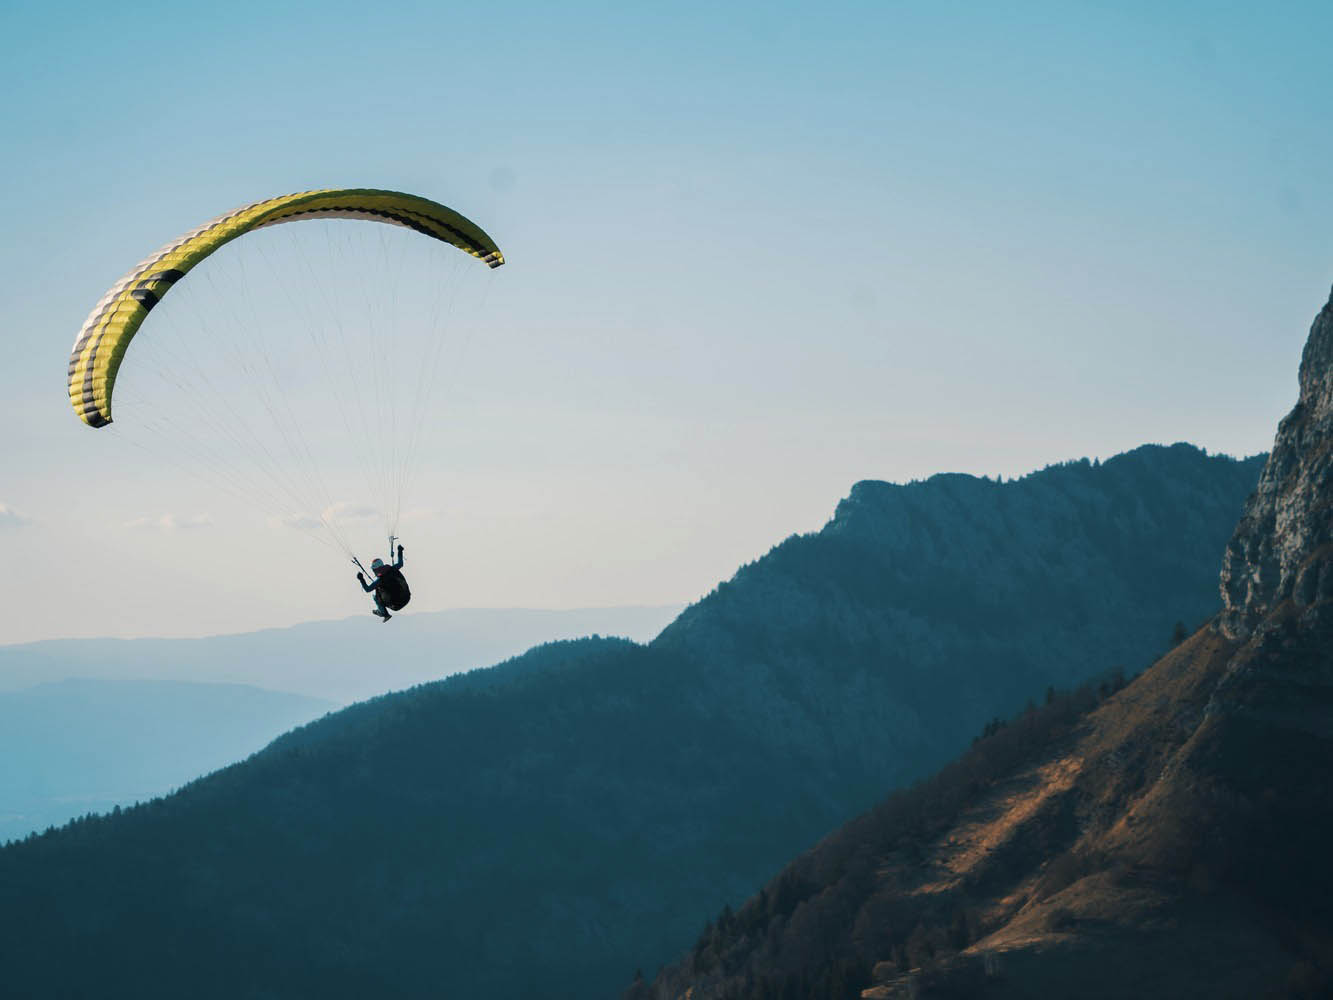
column 1279, row 560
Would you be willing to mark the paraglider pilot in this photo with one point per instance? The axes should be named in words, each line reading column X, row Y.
column 389, row 586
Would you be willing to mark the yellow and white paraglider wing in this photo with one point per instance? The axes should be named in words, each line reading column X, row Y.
column 101, row 344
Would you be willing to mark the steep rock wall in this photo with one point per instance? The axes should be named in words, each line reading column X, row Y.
column 1280, row 551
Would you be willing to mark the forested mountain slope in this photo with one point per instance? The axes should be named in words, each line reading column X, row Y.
column 540, row 827
column 921, row 611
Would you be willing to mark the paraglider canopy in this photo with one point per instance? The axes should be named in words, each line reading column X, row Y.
column 106, row 334
column 273, row 365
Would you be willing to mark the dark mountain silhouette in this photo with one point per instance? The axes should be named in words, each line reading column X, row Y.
column 532, row 828
column 1168, row 839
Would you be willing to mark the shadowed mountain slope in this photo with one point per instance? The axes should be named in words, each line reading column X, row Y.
column 921, row 611
column 533, row 828
column 1165, row 840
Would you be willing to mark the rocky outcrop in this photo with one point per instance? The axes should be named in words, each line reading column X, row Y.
column 1280, row 560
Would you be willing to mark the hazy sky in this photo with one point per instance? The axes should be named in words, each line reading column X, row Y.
column 756, row 252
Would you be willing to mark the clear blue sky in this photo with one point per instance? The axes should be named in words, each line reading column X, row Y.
column 757, row 252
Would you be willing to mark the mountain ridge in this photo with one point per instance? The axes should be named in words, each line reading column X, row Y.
column 536, row 826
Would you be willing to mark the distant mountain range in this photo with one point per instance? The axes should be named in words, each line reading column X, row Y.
column 79, row 746
column 538, row 828
column 1159, row 839
column 341, row 661
column 93, row 734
